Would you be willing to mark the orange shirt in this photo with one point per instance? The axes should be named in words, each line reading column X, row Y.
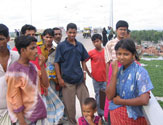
column 98, row 66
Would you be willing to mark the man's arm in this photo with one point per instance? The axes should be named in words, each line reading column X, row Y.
column 87, row 70
column 44, row 78
column 58, row 73
column 84, row 69
column 21, row 118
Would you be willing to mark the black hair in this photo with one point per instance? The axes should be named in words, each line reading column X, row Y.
column 23, row 42
column 4, row 30
column 90, row 101
column 121, row 23
column 71, row 26
column 129, row 45
column 128, row 31
column 56, row 28
column 27, row 27
column 48, row 31
column 96, row 36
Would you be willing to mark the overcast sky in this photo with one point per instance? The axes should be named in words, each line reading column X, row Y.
column 140, row 14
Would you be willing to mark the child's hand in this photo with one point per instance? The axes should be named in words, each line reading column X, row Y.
column 117, row 100
column 89, row 120
column 114, row 67
column 41, row 60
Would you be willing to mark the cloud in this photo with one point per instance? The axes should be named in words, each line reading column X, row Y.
column 141, row 14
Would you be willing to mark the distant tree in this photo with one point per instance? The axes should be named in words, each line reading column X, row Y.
column 147, row 35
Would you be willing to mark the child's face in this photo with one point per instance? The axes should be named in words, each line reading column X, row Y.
column 31, row 51
column 97, row 43
column 71, row 34
column 3, row 43
column 125, row 57
column 48, row 39
column 88, row 111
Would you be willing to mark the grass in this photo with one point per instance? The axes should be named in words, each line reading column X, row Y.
column 161, row 103
column 155, row 70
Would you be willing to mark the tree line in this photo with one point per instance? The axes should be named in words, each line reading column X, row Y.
column 147, row 35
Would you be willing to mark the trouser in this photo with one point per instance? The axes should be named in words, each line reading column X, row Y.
column 69, row 95
column 97, row 86
column 39, row 122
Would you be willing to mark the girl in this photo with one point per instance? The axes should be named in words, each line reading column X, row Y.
column 129, row 87
column 89, row 108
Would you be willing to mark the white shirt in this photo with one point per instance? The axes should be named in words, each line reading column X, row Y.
column 3, row 85
column 54, row 44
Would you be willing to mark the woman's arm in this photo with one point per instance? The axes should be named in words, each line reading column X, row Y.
column 111, row 88
column 138, row 101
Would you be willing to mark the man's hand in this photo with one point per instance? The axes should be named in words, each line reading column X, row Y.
column 61, row 82
column 84, row 74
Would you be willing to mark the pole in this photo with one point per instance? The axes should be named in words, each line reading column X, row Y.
column 111, row 13
column 31, row 11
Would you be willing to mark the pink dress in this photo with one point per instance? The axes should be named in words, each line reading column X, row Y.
column 106, row 108
column 83, row 121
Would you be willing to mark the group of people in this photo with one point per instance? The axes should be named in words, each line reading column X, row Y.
column 107, row 34
column 39, row 85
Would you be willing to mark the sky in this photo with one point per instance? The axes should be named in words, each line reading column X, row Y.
column 140, row 14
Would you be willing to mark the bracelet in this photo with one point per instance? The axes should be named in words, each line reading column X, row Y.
column 84, row 71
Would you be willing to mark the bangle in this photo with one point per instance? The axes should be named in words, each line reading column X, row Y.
column 84, row 71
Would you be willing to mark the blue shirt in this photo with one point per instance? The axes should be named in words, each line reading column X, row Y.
column 69, row 56
column 131, row 83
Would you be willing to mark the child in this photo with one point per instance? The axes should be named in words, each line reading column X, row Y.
column 98, row 68
column 89, row 108
column 24, row 101
column 129, row 87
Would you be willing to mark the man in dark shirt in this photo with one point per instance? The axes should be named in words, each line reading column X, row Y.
column 70, row 74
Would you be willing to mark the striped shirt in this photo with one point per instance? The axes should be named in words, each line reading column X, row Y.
column 110, row 53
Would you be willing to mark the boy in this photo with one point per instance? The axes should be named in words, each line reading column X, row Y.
column 70, row 75
column 6, row 59
column 110, row 55
column 24, row 101
column 98, row 69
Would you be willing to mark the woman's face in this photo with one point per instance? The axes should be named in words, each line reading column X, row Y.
column 125, row 57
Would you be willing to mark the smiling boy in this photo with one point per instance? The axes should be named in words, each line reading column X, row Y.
column 71, row 76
